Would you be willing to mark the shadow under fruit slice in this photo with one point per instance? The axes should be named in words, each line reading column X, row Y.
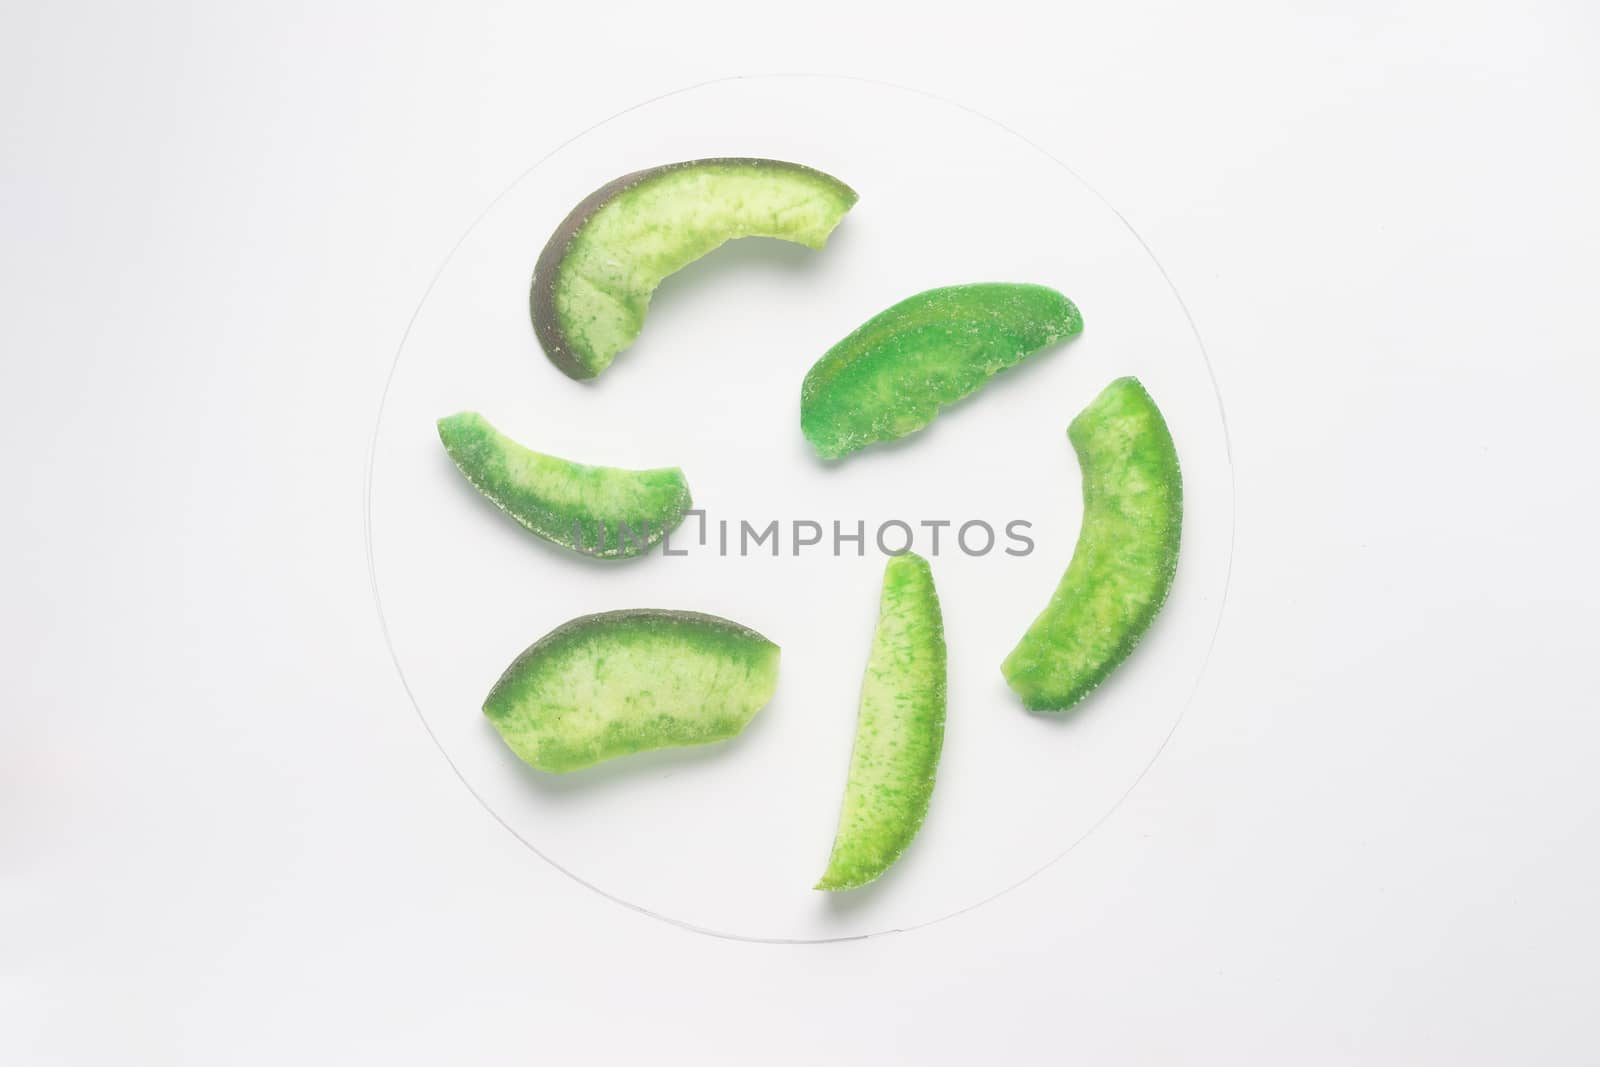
column 599, row 511
column 621, row 682
column 899, row 729
column 1127, row 552
column 892, row 375
column 592, row 283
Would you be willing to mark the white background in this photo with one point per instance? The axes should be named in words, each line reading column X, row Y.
column 224, row 837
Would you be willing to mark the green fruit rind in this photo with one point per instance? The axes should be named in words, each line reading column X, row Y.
column 891, row 376
column 1127, row 552
column 621, row 682
column 600, row 511
column 592, row 283
column 899, row 729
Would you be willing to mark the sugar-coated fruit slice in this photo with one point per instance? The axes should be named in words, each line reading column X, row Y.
column 891, row 376
column 592, row 283
column 599, row 511
column 1126, row 556
column 899, row 729
column 620, row 682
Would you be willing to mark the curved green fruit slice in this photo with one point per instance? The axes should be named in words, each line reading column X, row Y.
column 899, row 730
column 592, row 284
column 890, row 377
column 599, row 511
column 1126, row 556
column 620, row 682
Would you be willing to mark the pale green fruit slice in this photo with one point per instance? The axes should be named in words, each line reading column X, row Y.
column 899, row 729
column 592, row 283
column 620, row 682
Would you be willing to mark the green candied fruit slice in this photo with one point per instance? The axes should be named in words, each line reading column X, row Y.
column 891, row 376
column 1126, row 556
column 620, row 682
column 592, row 284
column 599, row 511
column 899, row 729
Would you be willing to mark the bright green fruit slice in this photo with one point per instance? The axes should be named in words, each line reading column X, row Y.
column 600, row 511
column 612, row 684
column 592, row 284
column 890, row 377
column 1126, row 557
column 899, row 729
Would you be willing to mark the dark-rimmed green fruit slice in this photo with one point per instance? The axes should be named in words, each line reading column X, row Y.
column 891, row 376
column 599, row 511
column 592, row 284
column 621, row 682
column 899, row 729
column 1127, row 552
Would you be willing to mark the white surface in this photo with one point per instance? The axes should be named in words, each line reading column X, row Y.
column 225, row 838
column 731, row 839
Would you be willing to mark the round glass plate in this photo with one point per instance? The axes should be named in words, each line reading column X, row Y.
column 730, row 838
